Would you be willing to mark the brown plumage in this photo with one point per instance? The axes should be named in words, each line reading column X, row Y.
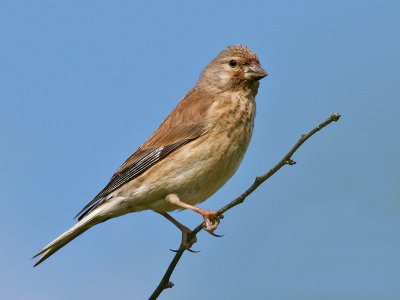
column 190, row 156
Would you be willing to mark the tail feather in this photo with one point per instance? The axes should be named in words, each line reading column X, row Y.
column 76, row 230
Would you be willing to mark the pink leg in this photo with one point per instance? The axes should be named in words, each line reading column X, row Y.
column 211, row 220
column 188, row 239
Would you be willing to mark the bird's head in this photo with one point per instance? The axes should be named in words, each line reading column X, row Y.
column 235, row 68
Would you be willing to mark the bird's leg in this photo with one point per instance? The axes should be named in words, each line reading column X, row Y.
column 188, row 238
column 211, row 219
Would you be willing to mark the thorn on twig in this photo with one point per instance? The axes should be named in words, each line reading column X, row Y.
column 290, row 162
column 169, row 285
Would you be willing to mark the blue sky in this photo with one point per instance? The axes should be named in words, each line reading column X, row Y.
column 84, row 83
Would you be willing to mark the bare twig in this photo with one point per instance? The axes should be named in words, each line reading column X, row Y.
column 286, row 160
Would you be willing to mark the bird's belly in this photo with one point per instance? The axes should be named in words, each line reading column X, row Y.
column 203, row 169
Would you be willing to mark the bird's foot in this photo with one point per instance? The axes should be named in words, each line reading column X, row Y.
column 188, row 239
column 211, row 222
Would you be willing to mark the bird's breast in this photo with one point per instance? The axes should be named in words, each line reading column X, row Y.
column 231, row 121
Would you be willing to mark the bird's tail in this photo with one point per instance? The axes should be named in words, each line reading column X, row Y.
column 76, row 230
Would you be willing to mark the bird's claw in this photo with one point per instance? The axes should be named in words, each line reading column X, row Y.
column 216, row 235
column 193, row 251
column 188, row 249
column 188, row 239
column 211, row 222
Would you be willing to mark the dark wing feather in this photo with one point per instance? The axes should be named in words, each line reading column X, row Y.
column 184, row 124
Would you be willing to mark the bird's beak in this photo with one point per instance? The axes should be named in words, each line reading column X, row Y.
column 255, row 72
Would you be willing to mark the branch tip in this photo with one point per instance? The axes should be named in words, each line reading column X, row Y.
column 336, row 116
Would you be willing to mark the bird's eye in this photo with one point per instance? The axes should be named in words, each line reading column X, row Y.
column 232, row 63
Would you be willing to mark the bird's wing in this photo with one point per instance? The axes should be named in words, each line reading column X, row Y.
column 185, row 124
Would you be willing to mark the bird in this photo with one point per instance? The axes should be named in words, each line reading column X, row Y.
column 191, row 155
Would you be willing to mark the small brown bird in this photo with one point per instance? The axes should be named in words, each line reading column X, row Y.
column 197, row 148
